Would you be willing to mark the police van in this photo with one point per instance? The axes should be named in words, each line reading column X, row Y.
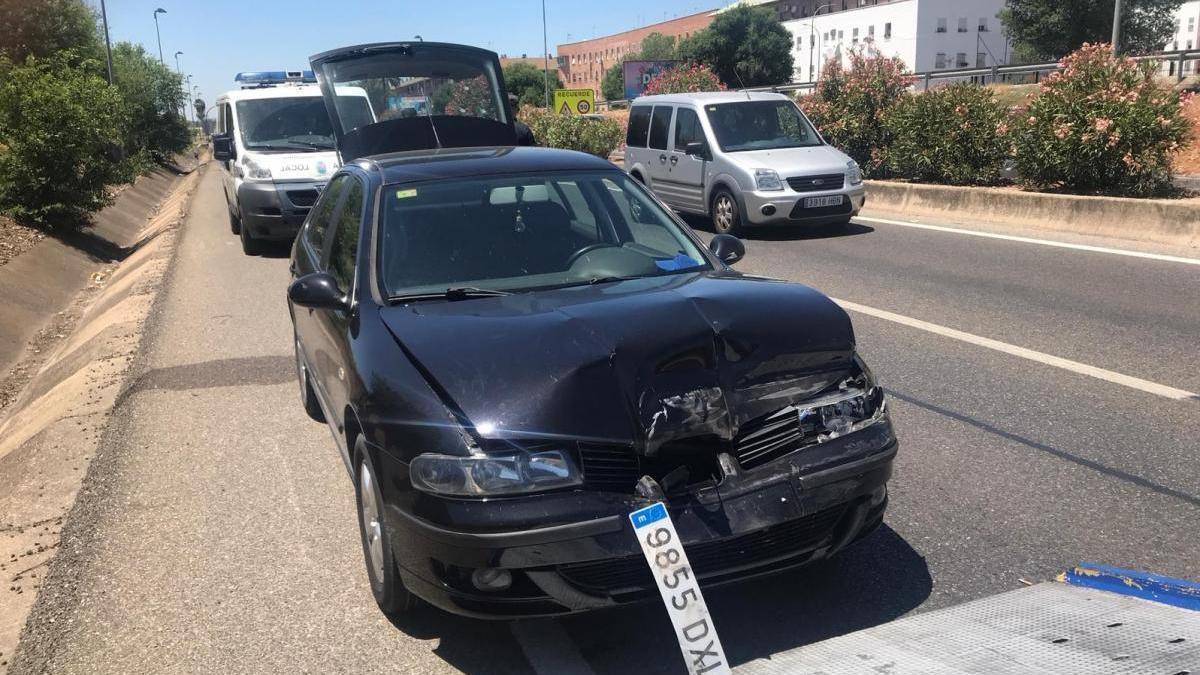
column 275, row 145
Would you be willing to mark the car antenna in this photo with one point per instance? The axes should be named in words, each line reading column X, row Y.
column 740, row 82
column 429, row 115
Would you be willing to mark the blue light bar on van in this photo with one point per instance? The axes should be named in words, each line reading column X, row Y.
column 268, row 77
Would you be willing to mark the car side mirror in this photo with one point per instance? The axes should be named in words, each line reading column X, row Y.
column 696, row 149
column 223, row 147
column 318, row 290
column 728, row 248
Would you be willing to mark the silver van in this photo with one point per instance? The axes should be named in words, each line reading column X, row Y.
column 741, row 158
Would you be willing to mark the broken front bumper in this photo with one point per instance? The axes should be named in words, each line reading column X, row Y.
column 795, row 510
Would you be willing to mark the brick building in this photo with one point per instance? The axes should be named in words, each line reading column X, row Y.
column 535, row 61
column 581, row 65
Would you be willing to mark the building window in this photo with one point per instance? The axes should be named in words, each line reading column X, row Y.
column 841, row 35
column 870, row 31
column 940, row 60
column 854, row 33
column 962, row 24
column 887, row 31
column 941, row 27
column 798, row 43
column 1191, row 23
column 981, row 60
column 983, row 27
column 961, row 61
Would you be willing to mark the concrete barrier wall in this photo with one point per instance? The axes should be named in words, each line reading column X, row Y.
column 1175, row 222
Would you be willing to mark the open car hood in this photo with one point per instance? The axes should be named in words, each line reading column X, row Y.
column 639, row 363
column 424, row 95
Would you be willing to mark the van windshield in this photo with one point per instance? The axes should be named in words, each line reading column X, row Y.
column 760, row 125
column 291, row 124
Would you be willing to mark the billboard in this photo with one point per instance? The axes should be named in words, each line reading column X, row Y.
column 639, row 73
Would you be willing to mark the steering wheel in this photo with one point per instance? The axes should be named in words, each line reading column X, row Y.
column 587, row 249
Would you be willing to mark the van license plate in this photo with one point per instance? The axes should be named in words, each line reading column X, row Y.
column 694, row 629
column 817, row 202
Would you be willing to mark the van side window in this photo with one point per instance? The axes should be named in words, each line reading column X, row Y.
column 322, row 212
column 660, row 126
column 639, row 124
column 687, row 128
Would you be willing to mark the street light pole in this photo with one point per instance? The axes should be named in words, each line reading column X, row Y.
column 182, row 84
column 545, row 57
column 158, row 34
column 812, row 27
column 107, row 44
column 1116, row 34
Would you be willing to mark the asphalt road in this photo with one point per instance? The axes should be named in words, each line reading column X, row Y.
column 221, row 534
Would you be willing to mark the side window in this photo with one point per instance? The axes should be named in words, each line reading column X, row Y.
column 660, row 126
column 687, row 128
column 639, row 124
column 318, row 218
column 344, row 250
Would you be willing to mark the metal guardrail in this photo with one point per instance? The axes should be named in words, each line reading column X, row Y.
column 1003, row 74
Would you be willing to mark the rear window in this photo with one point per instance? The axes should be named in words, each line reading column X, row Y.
column 639, row 124
column 660, row 125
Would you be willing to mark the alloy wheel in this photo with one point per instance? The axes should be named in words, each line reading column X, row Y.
column 372, row 527
column 723, row 213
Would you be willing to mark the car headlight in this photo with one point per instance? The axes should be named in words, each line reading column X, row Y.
column 856, row 404
column 853, row 173
column 494, row 474
column 253, row 170
column 767, row 179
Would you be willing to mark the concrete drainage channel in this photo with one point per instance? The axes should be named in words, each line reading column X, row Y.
column 51, row 431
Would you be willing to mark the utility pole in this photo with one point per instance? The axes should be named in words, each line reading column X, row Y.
column 812, row 26
column 107, row 44
column 1116, row 35
column 546, row 57
column 157, row 34
column 182, row 84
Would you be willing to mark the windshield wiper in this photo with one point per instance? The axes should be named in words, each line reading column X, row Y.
column 453, row 293
column 311, row 144
column 604, row 280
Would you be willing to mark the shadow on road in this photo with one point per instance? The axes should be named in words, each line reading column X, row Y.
column 703, row 226
column 875, row 581
column 470, row 645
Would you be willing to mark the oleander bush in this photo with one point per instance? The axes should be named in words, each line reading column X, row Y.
column 1100, row 124
column 593, row 135
column 684, row 80
column 955, row 135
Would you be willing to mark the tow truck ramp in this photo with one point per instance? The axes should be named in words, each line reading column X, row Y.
column 1067, row 627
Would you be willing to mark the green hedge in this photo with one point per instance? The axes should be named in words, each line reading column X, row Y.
column 593, row 135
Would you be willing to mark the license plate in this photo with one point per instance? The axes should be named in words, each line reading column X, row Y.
column 694, row 629
column 817, row 202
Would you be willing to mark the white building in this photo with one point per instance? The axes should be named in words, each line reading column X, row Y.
column 1187, row 36
column 926, row 34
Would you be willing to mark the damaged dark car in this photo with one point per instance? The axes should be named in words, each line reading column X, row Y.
column 517, row 347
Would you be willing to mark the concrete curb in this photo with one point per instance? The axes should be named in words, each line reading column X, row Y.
column 53, row 428
column 1173, row 222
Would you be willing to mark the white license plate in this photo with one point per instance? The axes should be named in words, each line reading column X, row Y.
column 694, row 629
column 817, row 202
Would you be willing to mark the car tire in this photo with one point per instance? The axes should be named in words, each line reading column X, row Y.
column 725, row 212
column 235, row 223
column 251, row 245
column 308, row 395
column 389, row 591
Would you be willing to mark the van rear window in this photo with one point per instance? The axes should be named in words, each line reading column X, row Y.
column 639, row 124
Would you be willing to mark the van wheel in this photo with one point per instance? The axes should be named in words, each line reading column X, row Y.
column 235, row 223
column 251, row 245
column 389, row 591
column 726, row 215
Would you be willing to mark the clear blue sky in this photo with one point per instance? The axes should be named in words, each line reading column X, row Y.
column 219, row 38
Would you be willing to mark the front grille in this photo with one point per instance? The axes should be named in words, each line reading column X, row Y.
column 818, row 183
column 768, row 438
column 612, row 468
column 776, row 544
column 302, row 197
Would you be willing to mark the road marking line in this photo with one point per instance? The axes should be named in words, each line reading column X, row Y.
column 1046, row 359
column 1030, row 240
column 548, row 648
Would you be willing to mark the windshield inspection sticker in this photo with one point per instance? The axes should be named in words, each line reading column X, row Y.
column 680, row 591
column 405, row 194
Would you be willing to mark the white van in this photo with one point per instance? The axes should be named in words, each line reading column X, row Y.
column 276, row 148
column 743, row 159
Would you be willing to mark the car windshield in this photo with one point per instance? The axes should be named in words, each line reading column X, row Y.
column 760, row 125
column 292, row 124
column 520, row 232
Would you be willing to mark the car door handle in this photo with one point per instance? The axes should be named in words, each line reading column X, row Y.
column 662, row 159
column 674, row 160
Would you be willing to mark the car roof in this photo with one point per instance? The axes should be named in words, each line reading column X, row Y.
column 711, row 97
column 285, row 91
column 401, row 167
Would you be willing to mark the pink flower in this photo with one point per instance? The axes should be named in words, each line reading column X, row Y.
column 1102, row 124
column 1001, row 129
column 1062, row 131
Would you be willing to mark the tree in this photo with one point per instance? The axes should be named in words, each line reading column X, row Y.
column 154, row 99
column 745, row 46
column 528, row 83
column 1046, row 31
column 658, row 47
column 683, row 80
column 612, row 87
column 42, row 28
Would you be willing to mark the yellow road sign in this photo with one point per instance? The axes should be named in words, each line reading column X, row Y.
column 574, row 101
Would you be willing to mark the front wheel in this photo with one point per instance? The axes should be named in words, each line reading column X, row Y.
column 389, row 591
column 251, row 245
column 235, row 223
column 726, row 216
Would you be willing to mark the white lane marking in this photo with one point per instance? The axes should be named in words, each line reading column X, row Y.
column 1046, row 359
column 548, row 648
column 1041, row 242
